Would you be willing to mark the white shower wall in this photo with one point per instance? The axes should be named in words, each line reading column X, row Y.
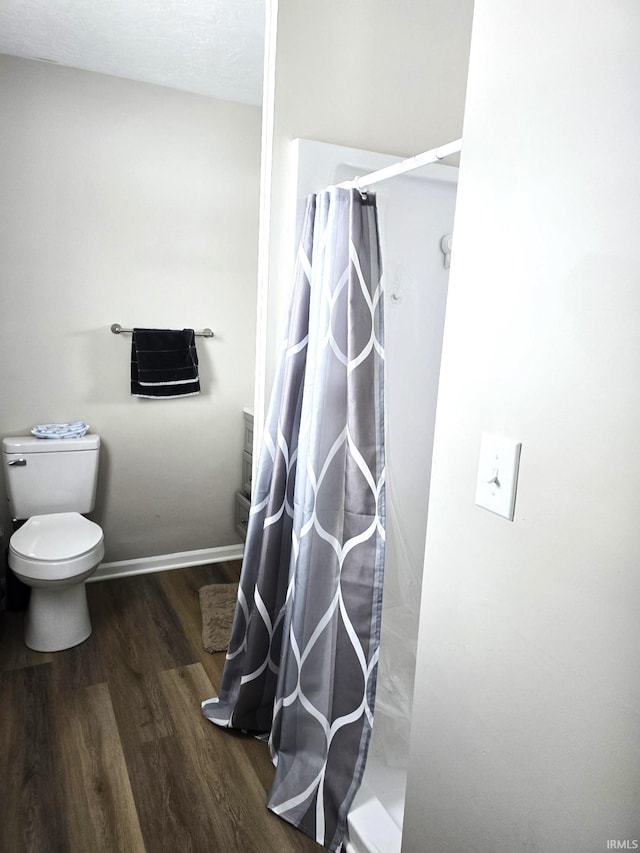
column 415, row 212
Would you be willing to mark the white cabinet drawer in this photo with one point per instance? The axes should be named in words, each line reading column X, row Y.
column 246, row 473
column 242, row 513
column 248, row 431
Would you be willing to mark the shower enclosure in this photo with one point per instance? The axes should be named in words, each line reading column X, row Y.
column 416, row 220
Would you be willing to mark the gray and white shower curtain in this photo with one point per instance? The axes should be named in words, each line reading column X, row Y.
column 302, row 659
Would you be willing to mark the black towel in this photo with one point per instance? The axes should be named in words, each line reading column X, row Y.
column 164, row 363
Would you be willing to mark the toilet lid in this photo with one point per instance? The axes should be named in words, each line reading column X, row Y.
column 59, row 536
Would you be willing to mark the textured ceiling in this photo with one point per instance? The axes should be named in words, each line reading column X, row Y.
column 210, row 47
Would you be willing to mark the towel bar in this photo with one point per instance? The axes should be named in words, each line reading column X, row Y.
column 117, row 329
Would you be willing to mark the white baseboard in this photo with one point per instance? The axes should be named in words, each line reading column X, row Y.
column 164, row 562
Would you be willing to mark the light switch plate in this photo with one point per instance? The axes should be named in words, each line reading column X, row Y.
column 498, row 475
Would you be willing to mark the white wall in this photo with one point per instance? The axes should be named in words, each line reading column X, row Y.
column 381, row 76
column 526, row 732
column 130, row 203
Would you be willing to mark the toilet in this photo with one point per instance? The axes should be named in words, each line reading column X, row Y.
column 50, row 483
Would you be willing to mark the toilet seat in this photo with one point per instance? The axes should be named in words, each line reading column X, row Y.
column 56, row 547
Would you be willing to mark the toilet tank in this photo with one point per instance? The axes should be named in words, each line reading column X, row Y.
column 50, row 475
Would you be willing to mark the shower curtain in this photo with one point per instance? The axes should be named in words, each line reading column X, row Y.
column 302, row 660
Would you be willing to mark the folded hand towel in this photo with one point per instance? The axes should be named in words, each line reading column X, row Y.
column 73, row 430
column 164, row 363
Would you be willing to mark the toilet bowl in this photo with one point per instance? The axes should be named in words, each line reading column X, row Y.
column 54, row 554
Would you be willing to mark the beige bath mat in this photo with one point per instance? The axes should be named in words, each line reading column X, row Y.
column 217, row 605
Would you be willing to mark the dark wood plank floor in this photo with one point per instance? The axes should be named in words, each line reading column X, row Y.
column 103, row 747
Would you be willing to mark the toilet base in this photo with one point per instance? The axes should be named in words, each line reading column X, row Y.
column 57, row 618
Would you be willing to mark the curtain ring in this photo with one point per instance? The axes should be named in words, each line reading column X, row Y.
column 363, row 193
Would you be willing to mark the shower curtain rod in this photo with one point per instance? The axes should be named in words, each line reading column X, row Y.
column 432, row 156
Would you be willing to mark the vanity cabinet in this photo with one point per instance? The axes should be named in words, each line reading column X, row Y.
column 243, row 497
